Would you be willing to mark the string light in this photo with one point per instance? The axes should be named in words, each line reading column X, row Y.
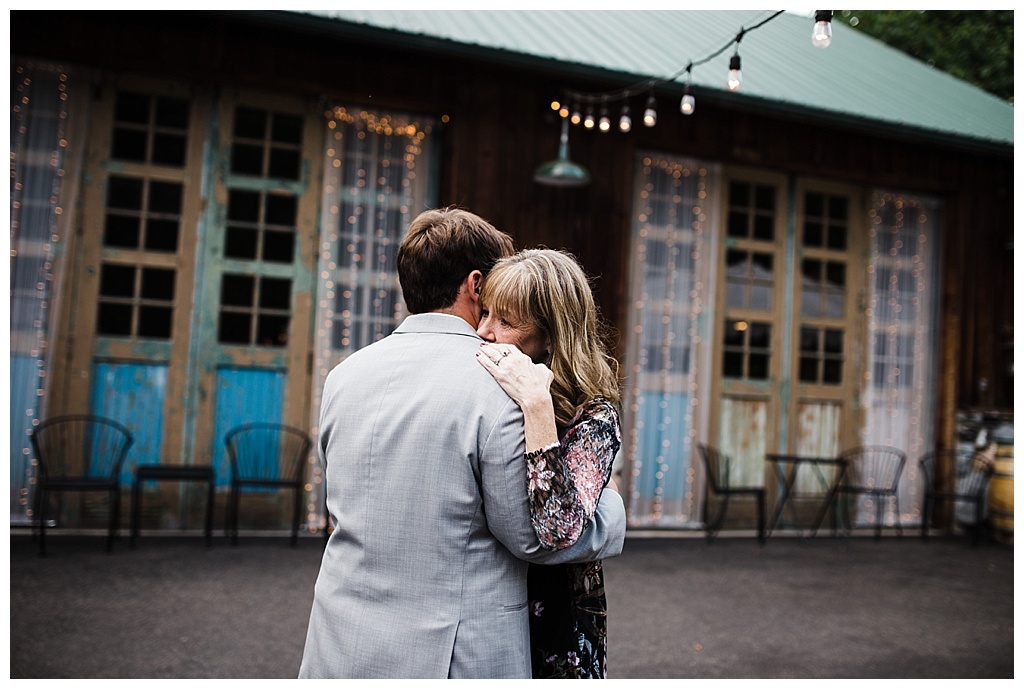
column 687, row 104
column 735, row 79
column 651, row 112
column 605, row 123
column 625, row 121
column 821, row 37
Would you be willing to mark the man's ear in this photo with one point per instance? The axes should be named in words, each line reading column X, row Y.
column 476, row 281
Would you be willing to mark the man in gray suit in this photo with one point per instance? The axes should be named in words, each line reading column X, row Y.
column 424, row 575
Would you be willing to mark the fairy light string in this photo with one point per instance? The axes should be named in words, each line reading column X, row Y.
column 577, row 101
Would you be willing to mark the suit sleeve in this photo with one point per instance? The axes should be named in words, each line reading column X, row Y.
column 504, row 484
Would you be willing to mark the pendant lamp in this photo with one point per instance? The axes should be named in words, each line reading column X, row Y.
column 562, row 172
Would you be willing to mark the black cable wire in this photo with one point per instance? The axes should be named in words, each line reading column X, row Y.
column 650, row 84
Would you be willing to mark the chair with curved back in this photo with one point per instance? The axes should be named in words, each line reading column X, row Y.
column 266, row 455
column 872, row 471
column 79, row 452
column 956, row 476
column 716, row 465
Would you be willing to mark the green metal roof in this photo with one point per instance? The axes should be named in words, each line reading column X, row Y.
column 857, row 80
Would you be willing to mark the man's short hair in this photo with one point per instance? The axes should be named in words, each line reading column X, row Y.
column 441, row 248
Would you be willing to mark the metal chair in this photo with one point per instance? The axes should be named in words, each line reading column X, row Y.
column 266, row 455
column 716, row 465
column 957, row 476
column 873, row 471
column 79, row 452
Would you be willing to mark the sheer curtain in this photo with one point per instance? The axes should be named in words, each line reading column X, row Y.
column 377, row 178
column 670, row 278
column 41, row 201
column 899, row 391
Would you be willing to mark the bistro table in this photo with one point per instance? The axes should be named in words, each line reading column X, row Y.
column 828, row 471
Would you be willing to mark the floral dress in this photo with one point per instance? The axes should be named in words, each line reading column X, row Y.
column 568, row 609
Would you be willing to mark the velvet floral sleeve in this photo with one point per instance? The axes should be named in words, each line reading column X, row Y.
column 566, row 480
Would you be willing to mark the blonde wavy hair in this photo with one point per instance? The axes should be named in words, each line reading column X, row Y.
column 548, row 289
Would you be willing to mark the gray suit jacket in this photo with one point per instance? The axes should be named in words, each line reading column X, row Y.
column 425, row 573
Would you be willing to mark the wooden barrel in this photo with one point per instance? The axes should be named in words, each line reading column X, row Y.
column 1000, row 495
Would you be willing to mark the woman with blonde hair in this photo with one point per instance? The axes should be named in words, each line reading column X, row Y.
column 544, row 344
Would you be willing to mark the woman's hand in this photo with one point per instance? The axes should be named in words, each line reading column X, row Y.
column 524, row 381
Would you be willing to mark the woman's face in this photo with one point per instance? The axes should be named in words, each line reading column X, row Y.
column 506, row 330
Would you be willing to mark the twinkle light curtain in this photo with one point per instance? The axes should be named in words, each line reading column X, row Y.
column 40, row 204
column 667, row 339
column 377, row 178
column 899, row 388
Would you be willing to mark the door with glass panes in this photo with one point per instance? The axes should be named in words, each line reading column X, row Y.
column 252, row 356
column 787, row 328
column 193, row 274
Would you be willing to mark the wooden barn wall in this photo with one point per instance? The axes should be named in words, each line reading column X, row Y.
column 500, row 128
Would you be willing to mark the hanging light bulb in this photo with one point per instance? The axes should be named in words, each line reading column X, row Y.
column 651, row 112
column 821, row 37
column 605, row 123
column 588, row 121
column 688, row 104
column 576, row 116
column 564, row 110
column 735, row 76
column 625, row 121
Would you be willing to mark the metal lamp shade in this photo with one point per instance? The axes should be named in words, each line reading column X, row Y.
column 562, row 172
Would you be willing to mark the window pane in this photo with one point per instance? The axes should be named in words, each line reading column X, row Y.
column 165, row 197
column 234, row 328
column 764, row 199
column 121, row 231
column 282, row 210
column 284, row 163
column 275, row 293
column 760, row 335
column 117, row 281
column 237, row 290
column 837, row 238
column 278, row 247
column 808, row 370
column 246, row 159
column 240, row 242
column 814, row 204
column 836, row 274
column 155, row 321
column 812, row 233
column 172, row 113
column 250, row 123
column 739, row 194
column 833, row 373
column 158, row 284
column 128, row 144
column 758, row 366
column 764, row 227
column 286, row 129
column 124, row 193
column 114, row 319
column 732, row 365
column 838, row 208
column 737, row 224
column 132, row 107
column 169, row 149
column 243, row 206
column 272, row 331
column 833, row 341
column 162, row 235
